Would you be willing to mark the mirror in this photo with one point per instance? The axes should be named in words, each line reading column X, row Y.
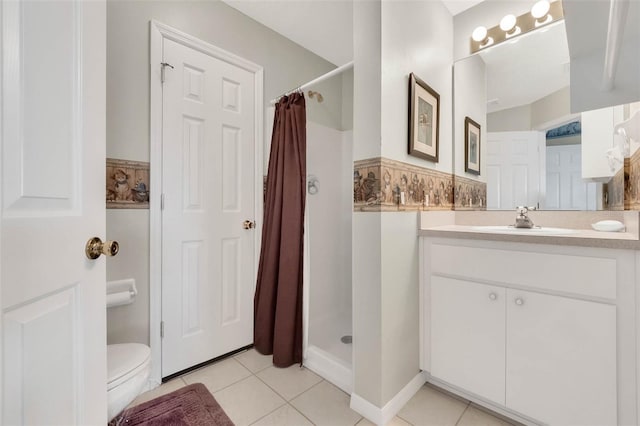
column 531, row 144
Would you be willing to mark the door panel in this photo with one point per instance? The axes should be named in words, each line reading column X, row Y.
column 467, row 336
column 53, row 148
column 565, row 188
column 514, row 169
column 561, row 349
column 208, row 184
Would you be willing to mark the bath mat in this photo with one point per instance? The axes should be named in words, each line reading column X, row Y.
column 191, row 405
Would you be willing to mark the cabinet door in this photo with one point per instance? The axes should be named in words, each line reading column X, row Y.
column 467, row 336
column 597, row 137
column 561, row 359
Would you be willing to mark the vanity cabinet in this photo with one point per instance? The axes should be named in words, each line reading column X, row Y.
column 561, row 359
column 597, row 137
column 468, row 340
column 531, row 330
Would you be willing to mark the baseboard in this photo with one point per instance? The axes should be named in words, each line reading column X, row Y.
column 382, row 416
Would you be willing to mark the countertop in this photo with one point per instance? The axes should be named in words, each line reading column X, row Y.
column 465, row 225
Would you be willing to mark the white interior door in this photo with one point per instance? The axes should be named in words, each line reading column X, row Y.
column 208, row 177
column 53, row 183
column 566, row 190
column 515, row 169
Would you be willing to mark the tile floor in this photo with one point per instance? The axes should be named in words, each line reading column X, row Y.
column 253, row 392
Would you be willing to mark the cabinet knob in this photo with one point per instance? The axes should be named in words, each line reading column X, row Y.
column 519, row 301
column 493, row 296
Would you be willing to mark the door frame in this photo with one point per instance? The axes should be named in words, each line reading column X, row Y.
column 158, row 33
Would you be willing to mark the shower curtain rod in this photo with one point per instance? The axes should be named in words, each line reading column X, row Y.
column 323, row 77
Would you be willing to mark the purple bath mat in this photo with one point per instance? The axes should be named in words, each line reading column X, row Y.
column 191, row 405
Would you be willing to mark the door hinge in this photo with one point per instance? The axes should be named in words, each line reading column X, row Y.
column 161, row 329
column 164, row 65
column 162, row 201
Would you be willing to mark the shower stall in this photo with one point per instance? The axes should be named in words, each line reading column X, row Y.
column 329, row 207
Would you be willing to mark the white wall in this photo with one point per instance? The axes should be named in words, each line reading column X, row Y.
column 329, row 159
column 416, row 37
column 367, row 318
column 400, row 302
column 391, row 40
column 510, row 120
column 543, row 114
column 347, row 100
column 129, row 323
column 286, row 66
column 367, row 45
column 470, row 100
column 550, row 109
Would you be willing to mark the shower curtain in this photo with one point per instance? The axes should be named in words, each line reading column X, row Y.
column 278, row 299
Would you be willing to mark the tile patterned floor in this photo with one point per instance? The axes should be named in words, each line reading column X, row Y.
column 253, row 392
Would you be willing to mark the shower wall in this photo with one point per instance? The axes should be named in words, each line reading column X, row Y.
column 329, row 160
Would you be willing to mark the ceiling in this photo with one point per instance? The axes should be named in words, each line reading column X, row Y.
column 325, row 27
column 458, row 6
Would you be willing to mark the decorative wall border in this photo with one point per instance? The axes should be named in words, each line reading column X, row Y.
column 469, row 194
column 632, row 182
column 380, row 184
column 127, row 184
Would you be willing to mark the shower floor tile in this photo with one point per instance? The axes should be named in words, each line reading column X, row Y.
column 326, row 334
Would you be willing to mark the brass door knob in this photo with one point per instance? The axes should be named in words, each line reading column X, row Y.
column 95, row 247
column 248, row 224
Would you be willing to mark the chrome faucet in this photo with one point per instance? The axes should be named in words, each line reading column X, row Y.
column 522, row 220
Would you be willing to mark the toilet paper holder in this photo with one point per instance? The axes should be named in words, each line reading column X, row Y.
column 121, row 292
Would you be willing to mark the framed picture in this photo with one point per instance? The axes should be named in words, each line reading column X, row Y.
column 471, row 146
column 424, row 119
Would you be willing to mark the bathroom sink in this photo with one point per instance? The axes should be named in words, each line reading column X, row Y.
column 524, row 231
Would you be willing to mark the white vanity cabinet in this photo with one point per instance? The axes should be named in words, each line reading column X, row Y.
column 467, row 336
column 561, row 359
column 597, row 137
column 533, row 331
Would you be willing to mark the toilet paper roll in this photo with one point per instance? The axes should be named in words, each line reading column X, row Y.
column 119, row 299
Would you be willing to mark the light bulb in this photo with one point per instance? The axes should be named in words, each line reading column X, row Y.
column 540, row 9
column 479, row 34
column 508, row 23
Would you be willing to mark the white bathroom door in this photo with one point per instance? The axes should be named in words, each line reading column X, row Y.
column 53, row 186
column 515, row 169
column 566, row 190
column 208, row 178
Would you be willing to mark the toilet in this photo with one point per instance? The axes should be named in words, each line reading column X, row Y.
column 128, row 364
column 128, row 367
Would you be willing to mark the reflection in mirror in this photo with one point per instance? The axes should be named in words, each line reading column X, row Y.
column 532, row 151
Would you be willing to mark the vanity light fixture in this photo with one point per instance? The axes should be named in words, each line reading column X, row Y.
column 479, row 35
column 508, row 25
column 542, row 13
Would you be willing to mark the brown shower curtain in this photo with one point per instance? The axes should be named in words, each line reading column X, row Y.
column 278, row 300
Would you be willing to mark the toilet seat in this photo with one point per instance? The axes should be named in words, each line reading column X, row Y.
column 125, row 361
